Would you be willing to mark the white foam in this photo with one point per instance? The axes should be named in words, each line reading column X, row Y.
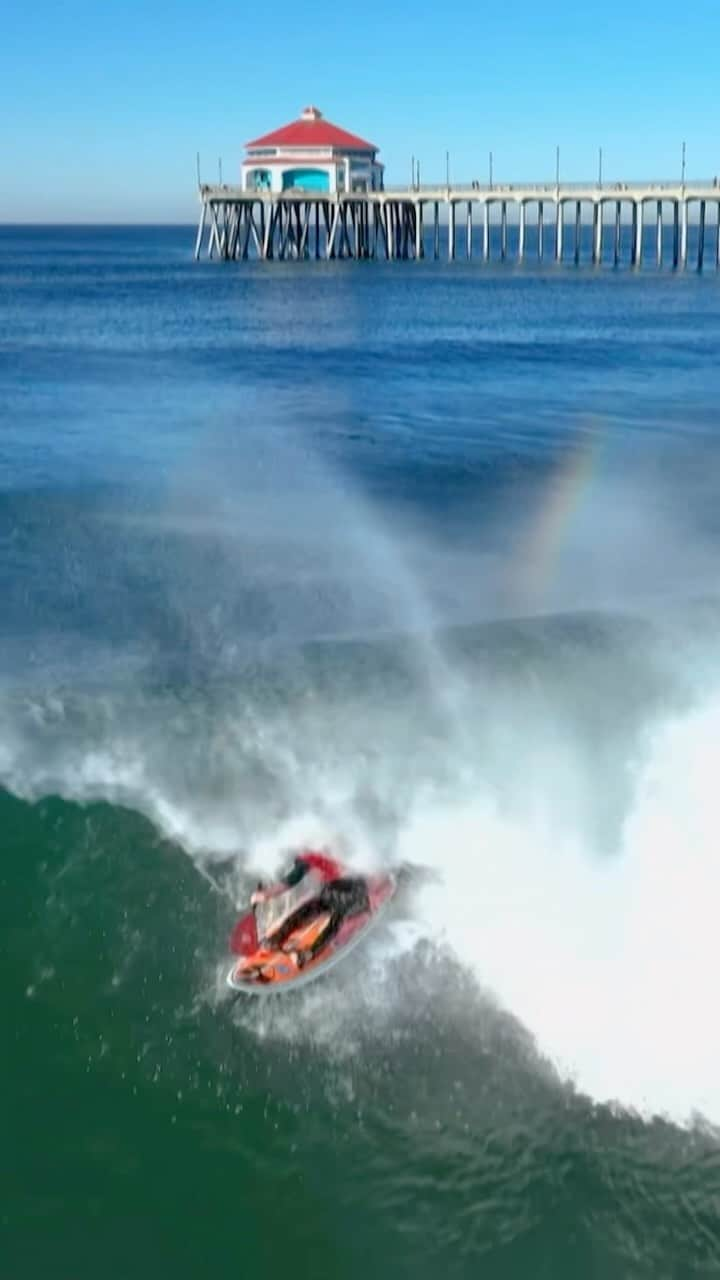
column 611, row 962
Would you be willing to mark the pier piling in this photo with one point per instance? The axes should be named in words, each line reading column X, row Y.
column 701, row 237
column 597, row 231
column 521, row 232
column 683, row 233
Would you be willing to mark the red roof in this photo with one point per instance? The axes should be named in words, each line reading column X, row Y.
column 312, row 130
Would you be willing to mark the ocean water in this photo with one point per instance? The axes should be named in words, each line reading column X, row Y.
column 420, row 561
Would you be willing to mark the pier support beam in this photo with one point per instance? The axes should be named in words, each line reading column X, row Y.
column 201, row 228
column 658, row 234
column 701, row 237
column 380, row 228
column 214, row 231
column 503, row 230
column 540, row 231
column 406, row 212
column 597, row 231
column 436, row 231
column 521, row 232
column 468, row 231
column 559, row 227
column 268, row 234
column 578, row 230
column 330, row 248
column 451, row 231
column 245, row 247
column 251, row 230
column 676, row 233
column 486, row 231
column 222, row 229
column 616, row 249
column 634, row 236
column 683, row 233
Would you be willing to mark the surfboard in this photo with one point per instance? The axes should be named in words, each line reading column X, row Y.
column 271, row 972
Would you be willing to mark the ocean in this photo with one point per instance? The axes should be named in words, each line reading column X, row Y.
column 419, row 562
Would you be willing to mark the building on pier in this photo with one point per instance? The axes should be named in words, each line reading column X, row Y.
column 312, row 155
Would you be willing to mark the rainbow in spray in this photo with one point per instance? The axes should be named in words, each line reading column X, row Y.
column 565, row 496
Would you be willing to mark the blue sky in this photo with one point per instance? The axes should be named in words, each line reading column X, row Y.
column 104, row 105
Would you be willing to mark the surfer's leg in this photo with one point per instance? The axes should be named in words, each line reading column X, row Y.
column 294, row 921
column 342, row 898
column 327, row 935
column 350, row 895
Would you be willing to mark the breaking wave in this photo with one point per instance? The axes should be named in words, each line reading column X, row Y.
column 564, row 832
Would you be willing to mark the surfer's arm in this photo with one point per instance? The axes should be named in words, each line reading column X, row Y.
column 263, row 893
column 292, row 877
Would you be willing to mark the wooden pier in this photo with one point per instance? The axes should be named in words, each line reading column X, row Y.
column 406, row 223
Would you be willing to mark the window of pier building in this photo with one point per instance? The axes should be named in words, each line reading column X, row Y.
column 306, row 179
column 259, row 180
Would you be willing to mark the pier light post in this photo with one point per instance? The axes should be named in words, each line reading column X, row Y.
column 491, row 169
column 683, row 169
column 412, row 171
column 220, row 169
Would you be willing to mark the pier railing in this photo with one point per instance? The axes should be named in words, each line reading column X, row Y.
column 669, row 188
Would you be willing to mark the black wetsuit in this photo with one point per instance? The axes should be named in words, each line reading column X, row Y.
column 347, row 896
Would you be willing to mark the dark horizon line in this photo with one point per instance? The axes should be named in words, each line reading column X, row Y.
column 5, row 225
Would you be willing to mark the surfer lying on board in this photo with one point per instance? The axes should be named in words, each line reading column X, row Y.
column 313, row 885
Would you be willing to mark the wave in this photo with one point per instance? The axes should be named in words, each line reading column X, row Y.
column 560, row 794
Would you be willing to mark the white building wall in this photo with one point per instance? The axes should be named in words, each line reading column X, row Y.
column 344, row 172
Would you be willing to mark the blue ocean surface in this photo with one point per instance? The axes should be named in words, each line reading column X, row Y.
column 417, row 561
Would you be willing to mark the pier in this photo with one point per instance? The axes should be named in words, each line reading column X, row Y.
column 579, row 222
